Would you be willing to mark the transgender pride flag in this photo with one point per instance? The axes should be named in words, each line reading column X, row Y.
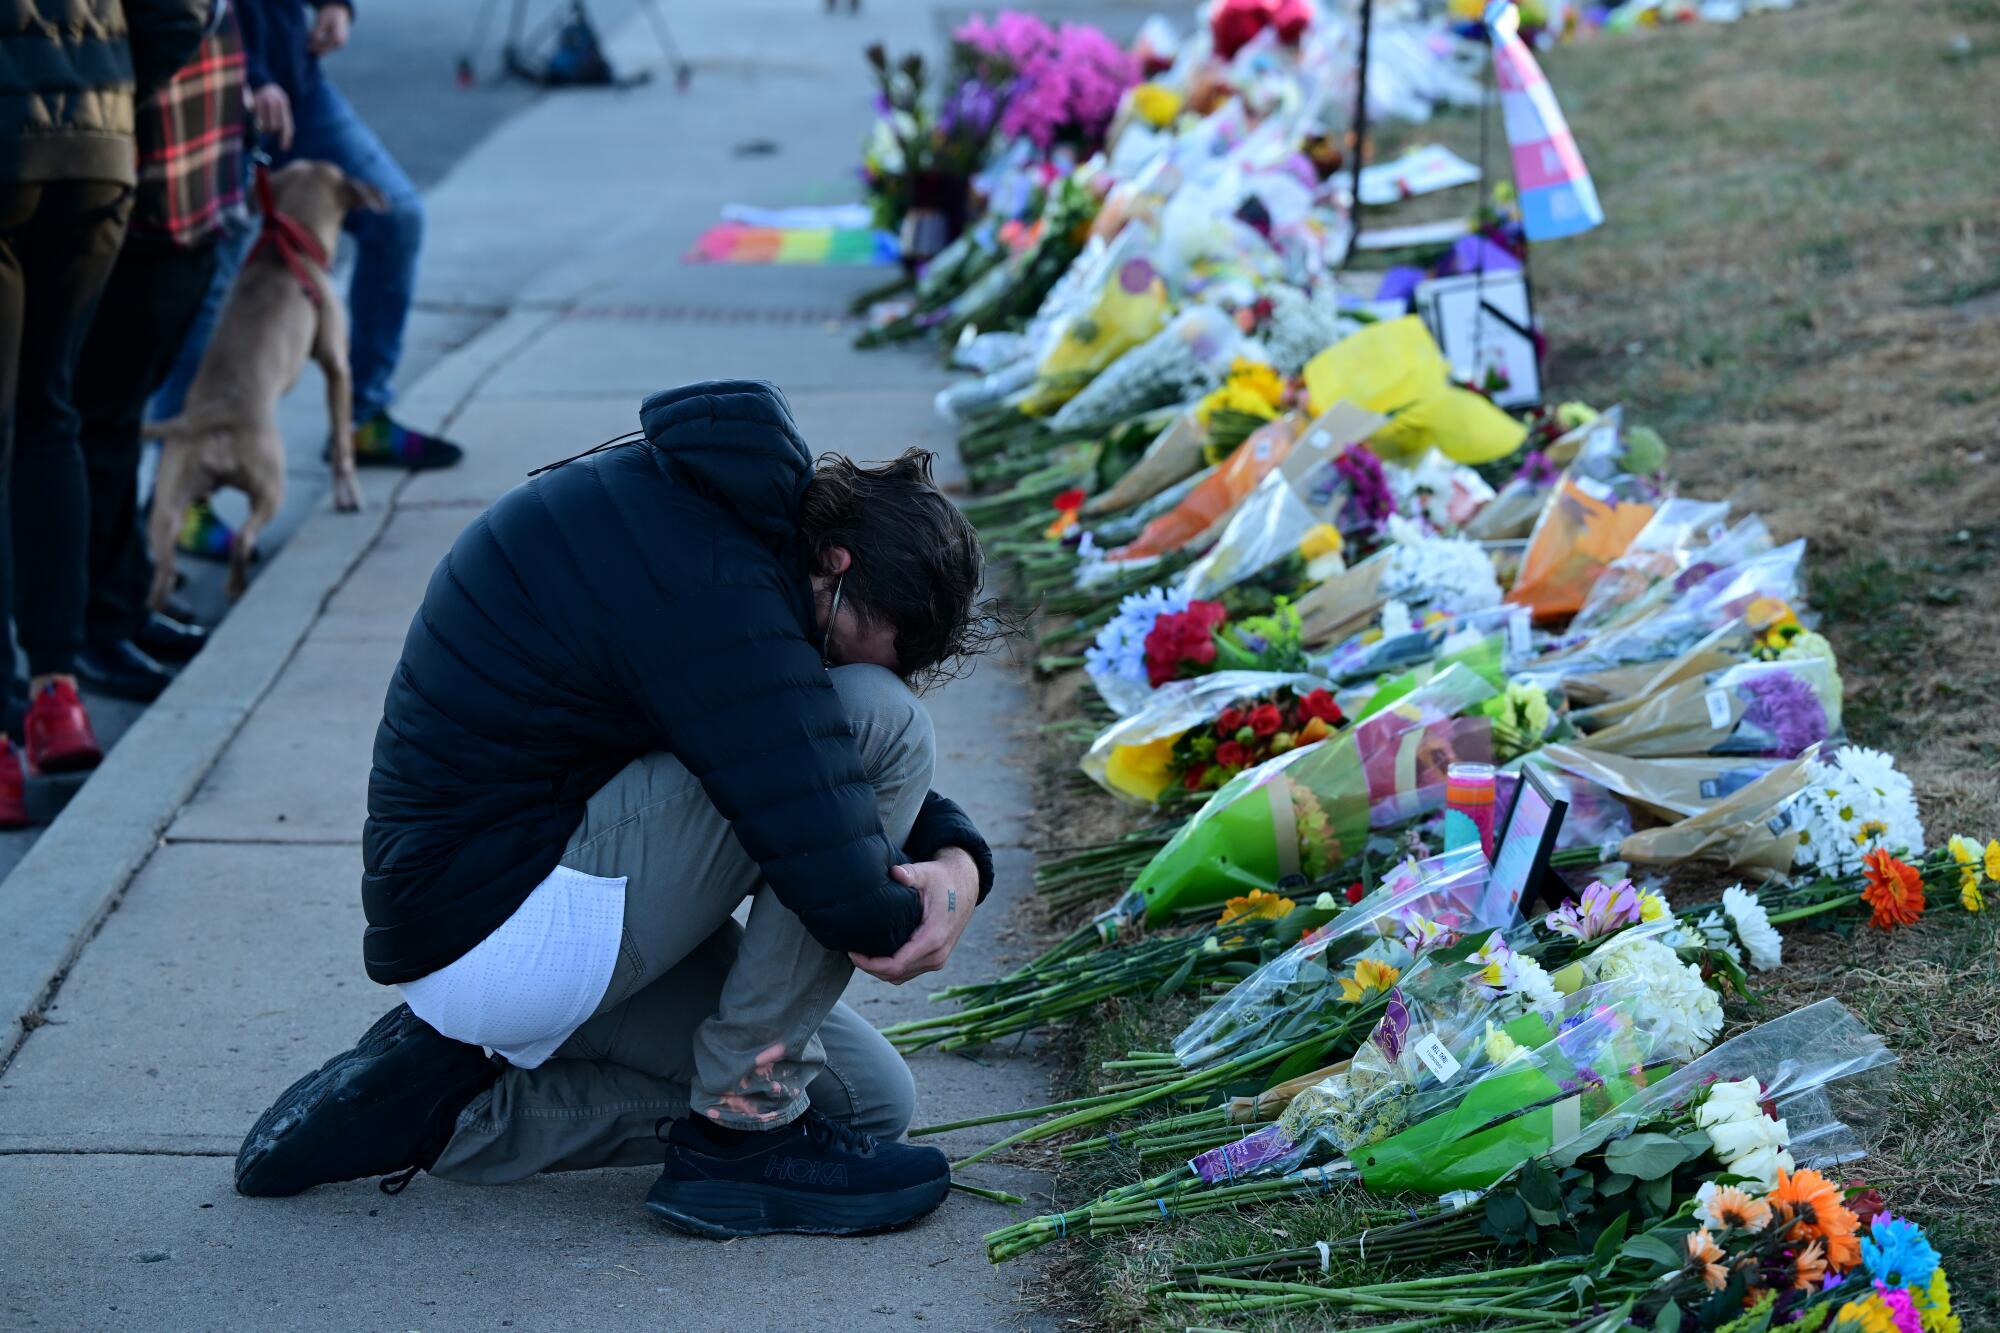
column 1557, row 198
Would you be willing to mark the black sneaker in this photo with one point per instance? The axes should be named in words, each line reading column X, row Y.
column 814, row 1176
column 385, row 1108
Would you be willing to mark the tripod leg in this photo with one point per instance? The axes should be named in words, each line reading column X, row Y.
column 683, row 72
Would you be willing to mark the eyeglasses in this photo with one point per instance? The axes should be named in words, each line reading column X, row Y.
column 832, row 610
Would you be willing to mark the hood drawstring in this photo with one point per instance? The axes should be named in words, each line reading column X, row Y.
column 629, row 437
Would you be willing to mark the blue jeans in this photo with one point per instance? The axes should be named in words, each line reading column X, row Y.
column 385, row 267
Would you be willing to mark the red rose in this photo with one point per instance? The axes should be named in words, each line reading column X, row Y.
column 1230, row 722
column 1207, row 614
column 1069, row 501
column 1320, row 704
column 1867, row 1205
column 1234, row 22
column 1355, row 893
column 1234, row 754
column 1265, row 719
column 1291, row 18
column 1194, row 776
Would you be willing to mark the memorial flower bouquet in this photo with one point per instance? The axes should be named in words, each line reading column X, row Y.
column 1309, row 809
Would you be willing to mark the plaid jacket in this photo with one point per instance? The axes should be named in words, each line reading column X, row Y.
column 191, row 144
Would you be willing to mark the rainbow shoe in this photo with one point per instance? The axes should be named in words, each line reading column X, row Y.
column 381, row 442
column 203, row 535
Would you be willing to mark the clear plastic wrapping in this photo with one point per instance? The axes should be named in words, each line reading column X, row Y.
column 1266, row 528
column 1791, row 1057
column 1127, row 758
column 1291, row 990
column 1181, row 362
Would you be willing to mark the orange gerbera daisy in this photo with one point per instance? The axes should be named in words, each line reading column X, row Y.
column 1809, row 1267
column 1733, row 1210
column 1811, row 1206
column 1705, row 1258
column 1895, row 891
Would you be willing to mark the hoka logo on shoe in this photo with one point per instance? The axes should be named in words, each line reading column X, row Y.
column 799, row 1171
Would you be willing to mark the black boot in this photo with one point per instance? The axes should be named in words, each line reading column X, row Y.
column 814, row 1176
column 388, row 1106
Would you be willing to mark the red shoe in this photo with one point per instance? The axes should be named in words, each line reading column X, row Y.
column 13, row 804
column 59, row 736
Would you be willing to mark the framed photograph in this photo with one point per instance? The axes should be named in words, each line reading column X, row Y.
column 1485, row 323
column 1522, row 850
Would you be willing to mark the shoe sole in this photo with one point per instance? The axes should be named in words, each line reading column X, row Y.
column 76, row 761
column 298, row 1102
column 724, row 1211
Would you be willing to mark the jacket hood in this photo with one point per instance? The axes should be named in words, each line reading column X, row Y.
column 736, row 442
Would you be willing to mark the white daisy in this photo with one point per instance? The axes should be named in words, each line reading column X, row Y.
column 1753, row 926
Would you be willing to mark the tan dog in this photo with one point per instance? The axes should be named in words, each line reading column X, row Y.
column 227, row 432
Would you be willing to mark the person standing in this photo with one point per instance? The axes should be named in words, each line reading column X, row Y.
column 72, row 73
column 191, row 154
column 301, row 113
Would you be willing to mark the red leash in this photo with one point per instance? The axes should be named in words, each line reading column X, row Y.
column 296, row 248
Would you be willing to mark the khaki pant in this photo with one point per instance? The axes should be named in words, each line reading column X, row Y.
column 742, row 1024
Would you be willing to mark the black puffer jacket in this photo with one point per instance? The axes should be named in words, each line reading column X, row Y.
column 651, row 596
column 71, row 72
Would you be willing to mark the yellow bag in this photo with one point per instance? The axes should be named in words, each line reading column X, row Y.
column 1395, row 368
column 1130, row 308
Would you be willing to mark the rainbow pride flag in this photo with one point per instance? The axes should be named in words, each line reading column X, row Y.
column 1557, row 196
column 741, row 243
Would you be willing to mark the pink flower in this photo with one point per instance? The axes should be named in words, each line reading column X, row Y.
column 1605, row 908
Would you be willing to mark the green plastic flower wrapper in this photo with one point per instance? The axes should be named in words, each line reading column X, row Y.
column 1453, row 1015
column 1304, row 812
column 1521, row 1109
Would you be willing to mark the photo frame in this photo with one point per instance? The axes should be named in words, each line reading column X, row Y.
column 1484, row 322
column 1526, row 841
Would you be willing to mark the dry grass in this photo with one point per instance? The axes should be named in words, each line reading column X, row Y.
column 1799, row 287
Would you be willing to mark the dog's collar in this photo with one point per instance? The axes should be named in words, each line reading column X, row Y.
column 296, row 248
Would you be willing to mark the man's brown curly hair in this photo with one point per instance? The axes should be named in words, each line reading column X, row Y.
column 917, row 565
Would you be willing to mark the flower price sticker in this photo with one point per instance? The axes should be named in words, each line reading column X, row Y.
column 1718, row 709
column 1444, row 1066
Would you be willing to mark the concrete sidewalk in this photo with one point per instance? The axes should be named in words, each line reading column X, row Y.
column 223, row 835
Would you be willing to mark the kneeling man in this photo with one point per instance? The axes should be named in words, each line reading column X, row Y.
column 654, row 681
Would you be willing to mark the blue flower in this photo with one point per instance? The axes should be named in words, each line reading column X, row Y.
column 1898, row 1253
column 1120, row 650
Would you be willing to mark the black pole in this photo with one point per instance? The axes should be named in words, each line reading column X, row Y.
column 1360, row 133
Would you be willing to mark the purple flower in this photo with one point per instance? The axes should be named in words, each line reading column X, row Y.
column 1367, row 488
column 1786, row 709
column 1537, row 469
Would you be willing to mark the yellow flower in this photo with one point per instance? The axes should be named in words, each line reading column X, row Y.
column 1934, row 1305
column 1652, row 906
column 1258, row 906
column 1966, row 853
column 1321, row 539
column 1870, row 1316
column 1252, row 388
column 1141, row 771
column 1993, row 860
column 1768, row 615
column 1370, row 976
column 1156, row 106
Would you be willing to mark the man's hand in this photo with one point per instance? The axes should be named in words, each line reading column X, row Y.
column 331, row 23
column 950, row 889
column 272, row 112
